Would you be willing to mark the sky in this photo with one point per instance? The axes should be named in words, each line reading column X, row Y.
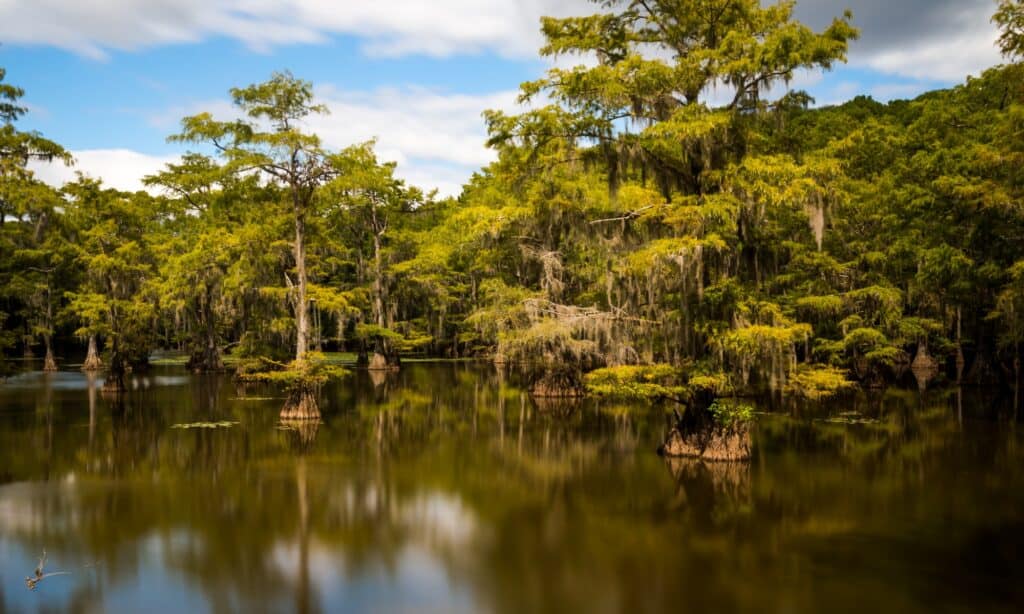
column 111, row 79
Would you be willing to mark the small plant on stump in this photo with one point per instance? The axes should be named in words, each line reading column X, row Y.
column 302, row 380
column 709, row 428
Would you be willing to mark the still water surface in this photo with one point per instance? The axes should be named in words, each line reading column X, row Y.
column 444, row 489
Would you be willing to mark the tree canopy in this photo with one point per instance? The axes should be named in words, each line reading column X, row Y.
column 668, row 208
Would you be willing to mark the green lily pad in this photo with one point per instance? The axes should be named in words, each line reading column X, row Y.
column 204, row 425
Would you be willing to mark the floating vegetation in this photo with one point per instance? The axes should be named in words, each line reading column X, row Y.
column 849, row 417
column 168, row 360
column 205, row 425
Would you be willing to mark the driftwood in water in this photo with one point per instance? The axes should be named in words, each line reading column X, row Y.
column 38, row 576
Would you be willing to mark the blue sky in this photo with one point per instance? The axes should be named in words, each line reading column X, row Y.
column 111, row 80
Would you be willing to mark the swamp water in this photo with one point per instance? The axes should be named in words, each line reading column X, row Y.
column 443, row 488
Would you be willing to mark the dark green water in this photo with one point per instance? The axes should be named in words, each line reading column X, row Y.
column 443, row 489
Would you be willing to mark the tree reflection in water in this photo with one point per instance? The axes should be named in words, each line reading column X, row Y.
column 445, row 488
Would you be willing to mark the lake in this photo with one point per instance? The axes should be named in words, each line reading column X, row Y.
column 444, row 488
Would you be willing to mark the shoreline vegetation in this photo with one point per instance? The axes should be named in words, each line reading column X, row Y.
column 632, row 240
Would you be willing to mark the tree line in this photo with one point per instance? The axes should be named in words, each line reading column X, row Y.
column 629, row 228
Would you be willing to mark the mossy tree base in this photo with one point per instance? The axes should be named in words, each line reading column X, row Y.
column 114, row 384
column 301, row 405
column 206, row 361
column 93, row 362
column 709, row 442
column 383, row 362
column 49, row 364
column 557, row 386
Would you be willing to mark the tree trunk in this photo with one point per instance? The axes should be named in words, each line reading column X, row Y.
column 1016, row 379
column 114, row 382
column 301, row 308
column 206, row 355
column 378, row 284
column 301, row 404
column 93, row 362
column 384, row 357
column 49, row 364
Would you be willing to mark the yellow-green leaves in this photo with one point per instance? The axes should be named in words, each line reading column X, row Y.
column 817, row 382
column 637, row 382
column 1010, row 18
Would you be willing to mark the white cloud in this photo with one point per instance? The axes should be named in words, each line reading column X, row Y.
column 947, row 56
column 923, row 39
column 411, row 123
column 118, row 168
column 936, row 40
column 387, row 27
column 436, row 138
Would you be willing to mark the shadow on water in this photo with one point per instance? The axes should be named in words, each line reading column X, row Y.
column 444, row 487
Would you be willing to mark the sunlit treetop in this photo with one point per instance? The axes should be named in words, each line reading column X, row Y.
column 17, row 148
column 657, row 54
column 10, row 110
column 1010, row 19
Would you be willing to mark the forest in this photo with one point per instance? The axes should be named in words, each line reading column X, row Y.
column 632, row 238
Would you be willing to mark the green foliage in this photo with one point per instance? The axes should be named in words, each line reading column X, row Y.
column 205, row 425
column 396, row 339
column 818, row 382
column 828, row 306
column 653, row 382
column 730, row 412
column 1009, row 17
column 312, row 370
column 625, row 222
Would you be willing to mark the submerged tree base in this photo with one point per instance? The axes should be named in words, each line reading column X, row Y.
column 557, row 406
column 93, row 362
column 207, row 361
column 381, row 362
column 303, row 432
column 50, row 365
column 301, row 405
column 114, row 384
column 556, row 386
column 710, row 442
